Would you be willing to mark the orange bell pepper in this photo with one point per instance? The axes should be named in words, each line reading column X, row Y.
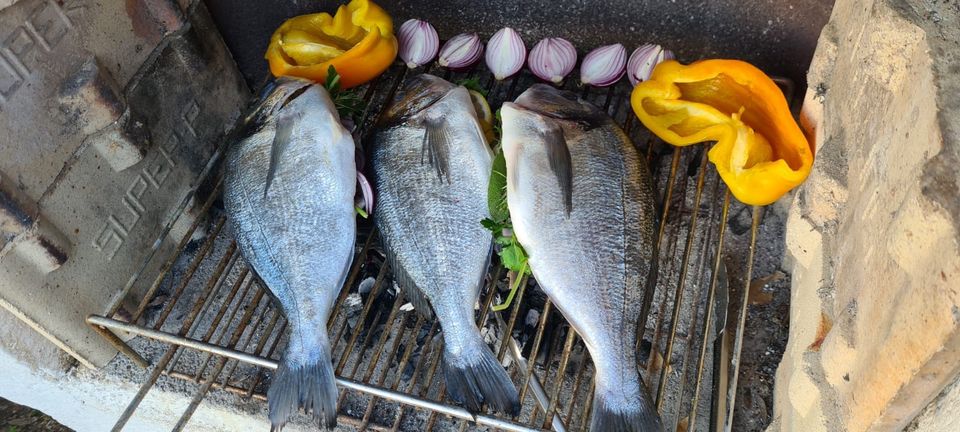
column 760, row 152
column 358, row 42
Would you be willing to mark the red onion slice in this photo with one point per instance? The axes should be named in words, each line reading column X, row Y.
column 552, row 59
column 418, row 42
column 461, row 51
column 604, row 66
column 366, row 190
column 505, row 53
column 643, row 60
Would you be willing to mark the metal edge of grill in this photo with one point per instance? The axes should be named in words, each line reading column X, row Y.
column 237, row 330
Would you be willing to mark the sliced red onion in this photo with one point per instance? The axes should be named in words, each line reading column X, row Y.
column 604, row 66
column 367, row 192
column 418, row 42
column 552, row 59
column 643, row 60
column 505, row 53
column 461, row 51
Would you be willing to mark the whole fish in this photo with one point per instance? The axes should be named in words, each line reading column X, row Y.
column 289, row 187
column 581, row 204
column 431, row 165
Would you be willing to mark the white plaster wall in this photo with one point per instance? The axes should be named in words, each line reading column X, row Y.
column 33, row 372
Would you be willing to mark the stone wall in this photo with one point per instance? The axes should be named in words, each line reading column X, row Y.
column 872, row 237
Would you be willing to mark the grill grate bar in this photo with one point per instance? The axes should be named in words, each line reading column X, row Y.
column 691, row 329
column 555, row 396
column 221, row 363
column 181, row 288
column 711, row 301
column 162, row 363
column 169, row 263
column 570, row 400
column 213, row 328
column 363, row 316
column 678, row 296
column 547, row 306
column 428, row 347
column 742, row 321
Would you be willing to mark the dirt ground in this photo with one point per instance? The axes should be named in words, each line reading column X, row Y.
column 18, row 418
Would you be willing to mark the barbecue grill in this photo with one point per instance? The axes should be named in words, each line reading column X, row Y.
column 227, row 318
column 182, row 304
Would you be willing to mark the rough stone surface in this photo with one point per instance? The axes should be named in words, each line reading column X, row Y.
column 873, row 238
column 943, row 414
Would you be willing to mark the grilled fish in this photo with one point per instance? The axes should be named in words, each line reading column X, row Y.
column 581, row 204
column 431, row 165
column 289, row 186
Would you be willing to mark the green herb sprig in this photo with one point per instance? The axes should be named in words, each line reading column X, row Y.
column 348, row 102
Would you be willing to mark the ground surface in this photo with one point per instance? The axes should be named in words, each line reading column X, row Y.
column 18, row 418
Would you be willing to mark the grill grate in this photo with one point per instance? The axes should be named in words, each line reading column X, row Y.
column 222, row 331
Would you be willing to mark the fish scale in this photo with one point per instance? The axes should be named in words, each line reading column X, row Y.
column 290, row 180
column 593, row 259
column 431, row 166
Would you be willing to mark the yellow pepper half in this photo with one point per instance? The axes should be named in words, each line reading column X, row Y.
column 760, row 153
column 358, row 41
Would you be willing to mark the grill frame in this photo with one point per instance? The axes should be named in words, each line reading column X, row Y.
column 246, row 290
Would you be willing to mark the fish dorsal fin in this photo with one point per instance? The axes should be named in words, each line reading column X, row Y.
column 559, row 156
column 281, row 140
column 436, row 147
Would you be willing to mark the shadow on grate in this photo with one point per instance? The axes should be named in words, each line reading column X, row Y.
column 226, row 332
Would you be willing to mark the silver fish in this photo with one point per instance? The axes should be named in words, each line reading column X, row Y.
column 431, row 165
column 581, row 204
column 289, row 187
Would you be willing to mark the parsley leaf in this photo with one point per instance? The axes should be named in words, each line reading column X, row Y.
column 347, row 102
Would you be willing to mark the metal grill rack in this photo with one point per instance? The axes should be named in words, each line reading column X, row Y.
column 222, row 331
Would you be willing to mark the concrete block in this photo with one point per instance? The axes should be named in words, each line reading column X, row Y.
column 126, row 102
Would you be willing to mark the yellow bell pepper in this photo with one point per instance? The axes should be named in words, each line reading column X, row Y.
column 760, row 152
column 358, row 41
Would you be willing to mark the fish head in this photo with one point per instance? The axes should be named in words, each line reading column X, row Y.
column 522, row 130
column 561, row 105
column 283, row 93
column 417, row 96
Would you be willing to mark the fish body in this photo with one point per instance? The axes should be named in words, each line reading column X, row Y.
column 289, row 187
column 581, row 203
column 431, row 165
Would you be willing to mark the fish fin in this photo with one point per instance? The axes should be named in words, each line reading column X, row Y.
column 413, row 294
column 474, row 377
column 304, row 381
column 436, row 147
column 609, row 416
column 281, row 140
column 559, row 157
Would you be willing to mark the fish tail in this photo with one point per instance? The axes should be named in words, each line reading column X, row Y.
column 474, row 376
column 614, row 413
column 304, row 379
